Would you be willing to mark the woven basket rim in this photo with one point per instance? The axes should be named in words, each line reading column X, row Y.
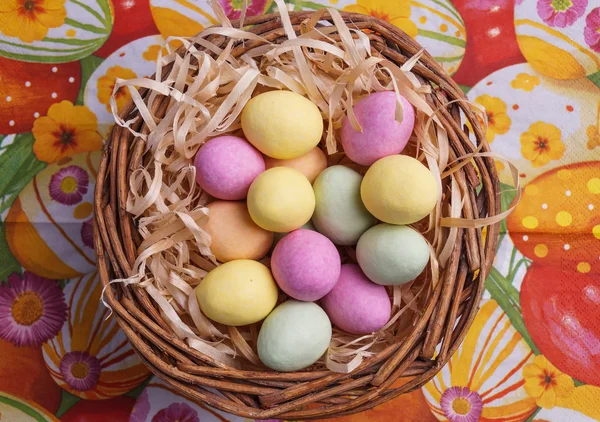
column 449, row 312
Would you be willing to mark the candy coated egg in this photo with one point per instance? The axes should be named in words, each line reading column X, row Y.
column 357, row 305
column 391, row 255
column 399, row 190
column 282, row 124
column 310, row 164
column 281, row 199
column 339, row 212
column 233, row 233
column 237, row 293
column 306, row 265
column 278, row 236
column 226, row 166
column 381, row 134
column 295, row 335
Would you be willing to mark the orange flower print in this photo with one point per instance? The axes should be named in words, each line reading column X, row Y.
column 395, row 12
column 66, row 130
column 29, row 20
column 593, row 134
column 542, row 143
column 525, row 82
column 495, row 110
column 545, row 383
column 106, row 86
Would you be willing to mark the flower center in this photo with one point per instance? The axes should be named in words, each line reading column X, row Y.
column 379, row 15
column 542, row 143
column 29, row 5
column 68, row 184
column 238, row 4
column 561, row 5
column 66, row 137
column 27, row 308
column 80, row 370
column 461, row 406
column 490, row 118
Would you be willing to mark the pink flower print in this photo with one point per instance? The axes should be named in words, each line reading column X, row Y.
column 561, row 13
column 591, row 33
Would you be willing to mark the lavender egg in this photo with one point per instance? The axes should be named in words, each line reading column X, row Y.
column 306, row 265
column 226, row 166
column 356, row 304
column 381, row 134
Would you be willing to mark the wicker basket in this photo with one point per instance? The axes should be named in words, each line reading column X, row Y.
column 448, row 311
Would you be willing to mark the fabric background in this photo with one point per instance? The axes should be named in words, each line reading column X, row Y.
column 533, row 352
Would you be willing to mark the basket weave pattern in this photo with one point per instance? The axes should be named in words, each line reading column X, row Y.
column 449, row 309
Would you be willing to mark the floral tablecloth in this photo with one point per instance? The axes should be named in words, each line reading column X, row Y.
column 533, row 352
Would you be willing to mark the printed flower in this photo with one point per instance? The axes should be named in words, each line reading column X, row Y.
column 66, row 130
column 233, row 8
column 106, row 86
column 461, row 405
column 32, row 309
column 140, row 410
column 87, row 233
column 561, row 13
column 591, row 33
column 542, row 143
column 498, row 121
column 29, row 20
column 180, row 412
column 68, row 185
column 80, row 370
column 593, row 134
column 525, row 82
column 395, row 12
column 546, row 383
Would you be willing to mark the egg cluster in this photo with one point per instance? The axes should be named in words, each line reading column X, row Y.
column 275, row 196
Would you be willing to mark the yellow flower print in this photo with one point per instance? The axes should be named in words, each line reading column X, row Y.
column 395, row 12
column 525, row 82
column 66, row 130
column 545, row 383
column 593, row 134
column 29, row 20
column 106, row 85
column 151, row 53
column 542, row 143
column 495, row 110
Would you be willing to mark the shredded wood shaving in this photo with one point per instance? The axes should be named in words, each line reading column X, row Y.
column 332, row 65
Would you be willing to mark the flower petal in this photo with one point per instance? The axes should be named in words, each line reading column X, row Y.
column 564, row 385
column 532, row 370
column 87, row 141
column 52, row 18
column 406, row 25
column 501, row 123
column 556, row 149
column 356, row 8
column 534, row 386
column 548, row 399
column 541, row 160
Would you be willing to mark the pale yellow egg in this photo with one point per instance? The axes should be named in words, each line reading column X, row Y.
column 399, row 190
column 237, row 293
column 310, row 164
column 282, row 124
column 281, row 199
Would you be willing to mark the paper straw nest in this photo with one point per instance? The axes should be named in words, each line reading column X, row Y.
column 150, row 212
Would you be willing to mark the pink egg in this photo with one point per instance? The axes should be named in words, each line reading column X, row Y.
column 306, row 265
column 381, row 134
column 226, row 166
column 356, row 304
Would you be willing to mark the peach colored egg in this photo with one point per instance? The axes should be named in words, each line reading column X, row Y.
column 310, row 164
column 233, row 233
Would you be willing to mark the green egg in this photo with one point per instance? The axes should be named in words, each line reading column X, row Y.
column 391, row 255
column 339, row 212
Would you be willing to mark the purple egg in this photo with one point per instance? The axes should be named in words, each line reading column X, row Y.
column 306, row 265
column 226, row 166
column 381, row 134
column 356, row 304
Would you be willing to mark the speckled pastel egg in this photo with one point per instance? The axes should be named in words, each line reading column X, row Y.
column 295, row 335
column 536, row 122
column 391, row 255
column 559, row 39
column 306, row 265
column 281, row 200
column 356, row 304
column 399, row 190
column 233, row 233
column 239, row 292
column 282, row 124
column 339, row 212
column 310, row 164
column 381, row 134
column 226, row 166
